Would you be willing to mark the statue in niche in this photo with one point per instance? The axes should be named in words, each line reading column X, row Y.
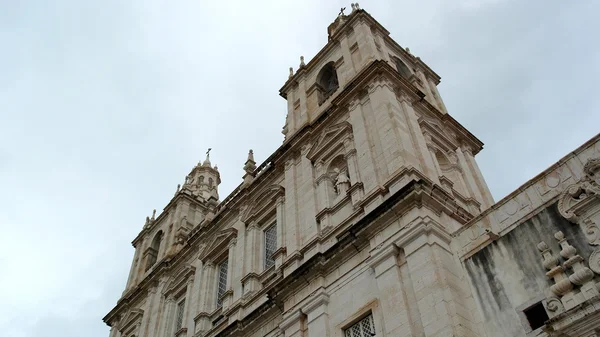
column 342, row 182
column 189, row 180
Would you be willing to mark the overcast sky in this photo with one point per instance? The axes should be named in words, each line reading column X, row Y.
column 105, row 106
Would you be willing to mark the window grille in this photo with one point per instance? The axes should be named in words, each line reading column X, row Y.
column 270, row 245
column 179, row 321
column 222, row 282
column 363, row 328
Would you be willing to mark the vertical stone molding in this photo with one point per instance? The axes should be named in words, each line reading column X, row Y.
column 399, row 315
column 293, row 324
column 317, row 316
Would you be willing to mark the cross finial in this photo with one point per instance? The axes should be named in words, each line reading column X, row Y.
column 342, row 10
column 208, row 152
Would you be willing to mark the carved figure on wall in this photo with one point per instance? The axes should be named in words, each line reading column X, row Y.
column 342, row 182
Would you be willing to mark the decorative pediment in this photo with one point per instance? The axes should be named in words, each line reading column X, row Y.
column 437, row 134
column 179, row 280
column 262, row 203
column 130, row 322
column 219, row 244
column 327, row 140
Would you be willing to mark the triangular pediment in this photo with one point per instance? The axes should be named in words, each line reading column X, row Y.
column 330, row 136
column 130, row 320
column 265, row 199
column 219, row 244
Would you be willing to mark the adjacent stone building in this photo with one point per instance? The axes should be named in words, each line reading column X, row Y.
column 371, row 219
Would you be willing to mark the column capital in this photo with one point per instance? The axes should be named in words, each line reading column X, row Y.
column 280, row 200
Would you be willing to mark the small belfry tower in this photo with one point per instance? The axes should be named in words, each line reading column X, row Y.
column 204, row 180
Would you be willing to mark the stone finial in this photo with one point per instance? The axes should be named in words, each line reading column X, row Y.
column 249, row 168
column 178, row 188
column 302, row 64
column 407, row 50
column 153, row 214
column 207, row 160
column 147, row 221
column 356, row 6
column 562, row 285
column 353, row 6
column 291, row 72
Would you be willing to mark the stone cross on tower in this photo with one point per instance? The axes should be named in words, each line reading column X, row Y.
column 342, row 11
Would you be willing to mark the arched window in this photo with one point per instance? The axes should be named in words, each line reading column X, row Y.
column 152, row 255
column 210, row 182
column 402, row 68
column 201, row 179
column 327, row 82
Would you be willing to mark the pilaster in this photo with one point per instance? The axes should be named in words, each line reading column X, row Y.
column 306, row 193
column 366, row 164
column 291, row 211
column 167, row 323
column 134, row 267
column 228, row 296
column 280, row 253
column 250, row 280
column 293, row 324
column 440, row 293
column 425, row 161
column 469, row 177
column 483, row 188
column 317, row 317
column 400, row 315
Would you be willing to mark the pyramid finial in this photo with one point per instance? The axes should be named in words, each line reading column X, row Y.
column 250, row 164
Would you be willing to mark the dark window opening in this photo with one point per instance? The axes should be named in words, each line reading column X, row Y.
column 536, row 315
column 327, row 82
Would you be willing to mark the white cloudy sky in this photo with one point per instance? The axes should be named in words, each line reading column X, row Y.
column 106, row 105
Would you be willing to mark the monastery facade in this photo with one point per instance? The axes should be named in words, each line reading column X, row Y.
column 371, row 219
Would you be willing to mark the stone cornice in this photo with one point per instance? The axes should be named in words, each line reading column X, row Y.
column 488, row 225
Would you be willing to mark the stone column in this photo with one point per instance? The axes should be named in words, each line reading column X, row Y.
column 317, row 316
column 280, row 251
column 437, row 97
column 390, row 126
column 399, row 318
column 207, row 297
column 428, row 94
column 132, row 270
column 149, row 319
column 306, row 198
column 366, row 43
column 484, row 190
column 188, row 320
column 356, row 192
column 139, row 273
column 250, row 280
column 228, row 296
column 420, row 145
column 366, row 165
column 384, row 51
column 293, row 324
column 168, row 324
column 469, row 177
column 440, row 292
column 347, row 71
column 291, row 214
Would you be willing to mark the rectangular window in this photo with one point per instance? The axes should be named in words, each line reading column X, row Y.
column 179, row 317
column 270, row 245
column 222, row 281
column 363, row 328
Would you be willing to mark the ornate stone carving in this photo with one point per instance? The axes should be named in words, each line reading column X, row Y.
column 579, row 201
column 562, row 284
column 581, row 273
column 594, row 261
column 342, row 182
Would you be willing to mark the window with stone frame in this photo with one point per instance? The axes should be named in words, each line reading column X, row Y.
column 363, row 328
column 270, row 235
column 179, row 315
column 221, row 282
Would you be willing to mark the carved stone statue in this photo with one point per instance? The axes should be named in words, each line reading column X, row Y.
column 342, row 182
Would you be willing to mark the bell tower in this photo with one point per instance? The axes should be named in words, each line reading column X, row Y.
column 389, row 96
column 204, row 180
